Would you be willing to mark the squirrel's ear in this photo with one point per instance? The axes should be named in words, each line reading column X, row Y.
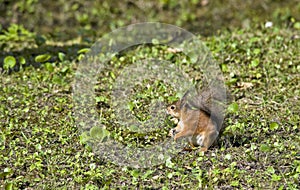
column 184, row 100
column 185, row 95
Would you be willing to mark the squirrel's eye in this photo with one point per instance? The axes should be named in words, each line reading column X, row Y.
column 172, row 107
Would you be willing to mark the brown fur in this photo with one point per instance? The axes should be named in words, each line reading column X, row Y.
column 194, row 124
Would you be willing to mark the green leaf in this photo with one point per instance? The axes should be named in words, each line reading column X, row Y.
column 265, row 148
column 90, row 187
column 26, row 109
column 96, row 132
column 170, row 175
column 57, row 79
column 64, row 69
column 61, row 56
column 147, row 174
column 155, row 41
column 256, row 51
column 274, row 126
column 9, row 62
column 130, row 106
column 224, row 67
column 22, row 60
column 93, row 166
column 112, row 75
column 227, row 157
column 233, row 108
column 297, row 25
column 271, row 170
column 276, row 177
column 99, row 133
column 80, row 57
column 9, row 186
column 135, row 173
column 84, row 50
column 193, row 57
column 255, row 63
column 231, row 81
column 42, row 58
column 84, row 137
column 235, row 183
column 49, row 67
column 6, row 172
column 101, row 99
column 169, row 163
column 133, row 128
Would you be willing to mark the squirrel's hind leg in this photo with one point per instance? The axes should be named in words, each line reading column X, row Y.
column 183, row 134
column 209, row 140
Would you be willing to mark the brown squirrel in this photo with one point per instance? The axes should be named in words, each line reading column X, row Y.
column 200, row 117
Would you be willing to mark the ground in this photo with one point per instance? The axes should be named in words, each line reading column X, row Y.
column 257, row 52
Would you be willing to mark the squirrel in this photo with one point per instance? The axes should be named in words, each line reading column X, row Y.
column 200, row 117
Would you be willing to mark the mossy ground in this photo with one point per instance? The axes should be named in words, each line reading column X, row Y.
column 259, row 148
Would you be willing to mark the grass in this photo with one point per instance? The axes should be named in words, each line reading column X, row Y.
column 41, row 146
column 259, row 148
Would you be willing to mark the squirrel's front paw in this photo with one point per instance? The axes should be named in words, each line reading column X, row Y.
column 174, row 120
column 172, row 132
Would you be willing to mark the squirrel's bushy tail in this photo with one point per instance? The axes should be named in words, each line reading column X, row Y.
column 211, row 98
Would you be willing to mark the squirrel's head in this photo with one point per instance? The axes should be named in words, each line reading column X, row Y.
column 174, row 109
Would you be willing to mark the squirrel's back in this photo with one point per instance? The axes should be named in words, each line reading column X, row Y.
column 211, row 100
